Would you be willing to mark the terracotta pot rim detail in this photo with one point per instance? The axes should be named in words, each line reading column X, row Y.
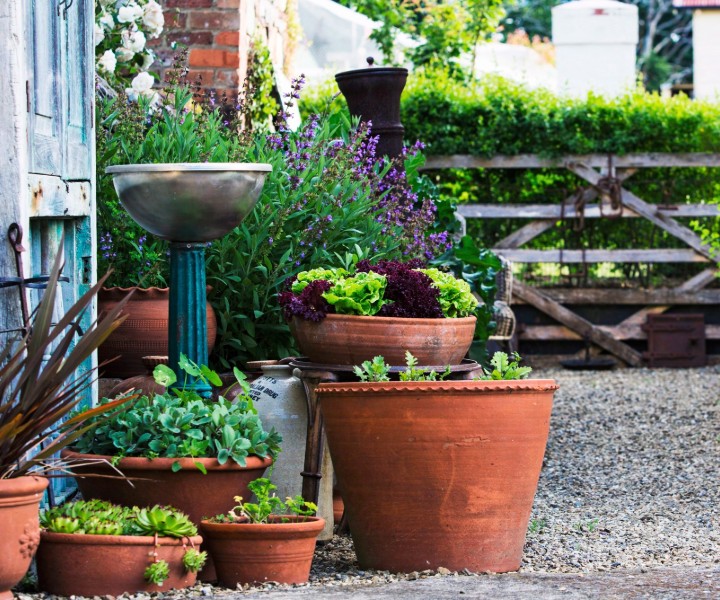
column 87, row 539
column 434, row 387
column 21, row 491
column 161, row 464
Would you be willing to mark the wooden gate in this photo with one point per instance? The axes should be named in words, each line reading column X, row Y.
column 604, row 196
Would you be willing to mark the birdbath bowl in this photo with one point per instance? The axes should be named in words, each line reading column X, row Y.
column 189, row 204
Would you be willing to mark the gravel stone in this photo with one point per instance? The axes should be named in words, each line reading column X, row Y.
column 629, row 485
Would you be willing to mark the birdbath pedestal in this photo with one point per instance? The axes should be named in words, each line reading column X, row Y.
column 189, row 205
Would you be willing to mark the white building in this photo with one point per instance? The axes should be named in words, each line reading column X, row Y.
column 706, row 46
column 595, row 46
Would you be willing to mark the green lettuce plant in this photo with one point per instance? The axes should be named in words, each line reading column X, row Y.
column 182, row 424
column 97, row 517
column 389, row 288
column 361, row 294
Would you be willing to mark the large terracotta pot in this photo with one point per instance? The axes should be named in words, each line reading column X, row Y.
column 196, row 494
column 256, row 553
column 72, row 564
column 19, row 528
column 352, row 339
column 143, row 333
column 438, row 474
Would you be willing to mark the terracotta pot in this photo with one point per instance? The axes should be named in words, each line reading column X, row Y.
column 143, row 333
column 438, row 474
column 352, row 339
column 19, row 528
column 189, row 490
column 99, row 565
column 256, row 553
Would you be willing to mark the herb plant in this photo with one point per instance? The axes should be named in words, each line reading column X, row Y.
column 374, row 370
column 267, row 504
column 413, row 373
column 504, row 368
column 97, row 517
column 182, row 424
column 387, row 289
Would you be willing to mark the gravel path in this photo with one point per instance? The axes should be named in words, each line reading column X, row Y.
column 631, row 481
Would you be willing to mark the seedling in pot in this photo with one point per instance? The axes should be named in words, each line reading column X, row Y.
column 505, row 369
column 267, row 504
column 377, row 370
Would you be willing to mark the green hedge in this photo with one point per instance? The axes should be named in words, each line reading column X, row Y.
column 496, row 116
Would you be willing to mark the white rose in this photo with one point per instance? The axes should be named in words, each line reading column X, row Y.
column 153, row 18
column 107, row 21
column 107, row 62
column 148, row 60
column 141, row 86
column 130, row 13
column 124, row 55
column 99, row 34
column 135, row 41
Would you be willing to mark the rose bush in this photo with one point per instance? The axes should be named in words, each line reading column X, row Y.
column 122, row 30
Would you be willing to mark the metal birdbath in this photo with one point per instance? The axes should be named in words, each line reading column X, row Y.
column 189, row 205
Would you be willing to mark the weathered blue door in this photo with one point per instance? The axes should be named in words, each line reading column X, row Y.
column 60, row 68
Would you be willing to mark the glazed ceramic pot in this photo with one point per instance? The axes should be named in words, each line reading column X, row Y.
column 256, row 553
column 72, row 564
column 19, row 528
column 196, row 494
column 438, row 474
column 143, row 333
column 352, row 339
column 279, row 398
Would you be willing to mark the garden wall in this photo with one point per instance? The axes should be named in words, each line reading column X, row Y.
column 218, row 34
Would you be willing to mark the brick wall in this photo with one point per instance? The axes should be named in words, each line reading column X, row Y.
column 216, row 33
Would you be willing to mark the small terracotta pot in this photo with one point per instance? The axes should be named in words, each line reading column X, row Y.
column 438, row 474
column 19, row 528
column 196, row 494
column 352, row 339
column 256, row 553
column 143, row 333
column 72, row 564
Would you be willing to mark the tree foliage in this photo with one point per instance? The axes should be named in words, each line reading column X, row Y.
column 445, row 29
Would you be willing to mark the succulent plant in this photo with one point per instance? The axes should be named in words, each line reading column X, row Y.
column 97, row 517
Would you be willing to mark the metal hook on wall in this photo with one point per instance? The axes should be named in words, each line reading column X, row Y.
column 68, row 4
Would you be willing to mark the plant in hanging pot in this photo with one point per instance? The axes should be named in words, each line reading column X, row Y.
column 94, row 548
column 270, row 540
column 178, row 448
column 456, row 462
column 341, row 316
column 39, row 389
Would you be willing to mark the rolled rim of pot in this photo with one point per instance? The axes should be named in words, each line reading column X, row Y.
column 379, row 71
column 162, row 167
